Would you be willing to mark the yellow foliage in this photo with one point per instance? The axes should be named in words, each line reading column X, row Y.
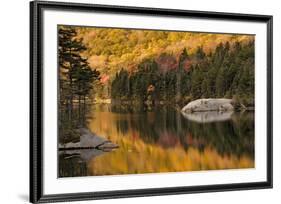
column 137, row 157
column 123, row 46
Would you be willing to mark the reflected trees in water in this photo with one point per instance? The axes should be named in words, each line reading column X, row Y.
column 163, row 140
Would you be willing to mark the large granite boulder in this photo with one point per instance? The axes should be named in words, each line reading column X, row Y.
column 209, row 104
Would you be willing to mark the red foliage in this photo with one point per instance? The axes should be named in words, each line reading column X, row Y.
column 166, row 62
column 104, row 78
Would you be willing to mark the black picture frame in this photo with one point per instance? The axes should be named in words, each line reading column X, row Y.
column 36, row 101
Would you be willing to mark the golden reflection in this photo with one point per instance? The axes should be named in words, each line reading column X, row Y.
column 134, row 155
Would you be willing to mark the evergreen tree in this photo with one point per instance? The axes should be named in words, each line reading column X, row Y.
column 76, row 77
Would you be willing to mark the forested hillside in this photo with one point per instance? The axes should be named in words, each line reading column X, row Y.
column 174, row 67
column 227, row 72
column 113, row 49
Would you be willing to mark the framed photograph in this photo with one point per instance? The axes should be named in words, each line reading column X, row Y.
column 131, row 101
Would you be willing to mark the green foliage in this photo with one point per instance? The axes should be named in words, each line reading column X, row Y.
column 76, row 76
column 227, row 72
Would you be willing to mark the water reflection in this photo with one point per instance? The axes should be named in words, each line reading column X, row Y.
column 162, row 139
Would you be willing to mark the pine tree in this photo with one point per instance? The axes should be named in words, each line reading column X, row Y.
column 76, row 77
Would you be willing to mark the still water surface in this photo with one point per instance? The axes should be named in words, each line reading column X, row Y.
column 162, row 139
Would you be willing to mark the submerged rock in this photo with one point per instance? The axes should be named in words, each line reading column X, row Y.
column 209, row 104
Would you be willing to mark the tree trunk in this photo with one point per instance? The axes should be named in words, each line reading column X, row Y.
column 71, row 97
column 79, row 108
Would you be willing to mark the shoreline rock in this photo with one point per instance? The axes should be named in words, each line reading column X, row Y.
column 88, row 140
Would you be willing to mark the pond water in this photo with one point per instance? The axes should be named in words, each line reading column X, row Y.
column 162, row 139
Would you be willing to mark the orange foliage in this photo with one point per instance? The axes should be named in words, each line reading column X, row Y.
column 116, row 48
